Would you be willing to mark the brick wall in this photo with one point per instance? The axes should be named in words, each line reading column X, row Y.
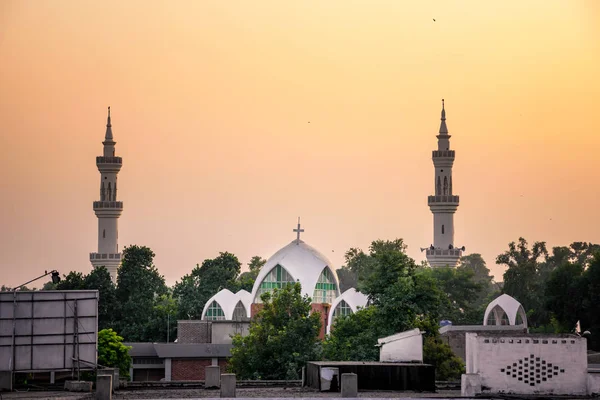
column 189, row 370
column 223, row 365
column 194, row 332
column 322, row 308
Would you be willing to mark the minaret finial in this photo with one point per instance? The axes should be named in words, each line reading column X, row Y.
column 443, row 128
column 108, row 137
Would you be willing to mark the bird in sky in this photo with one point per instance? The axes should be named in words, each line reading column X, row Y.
column 434, row 20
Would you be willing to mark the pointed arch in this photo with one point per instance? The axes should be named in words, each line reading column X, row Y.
column 445, row 185
column 277, row 278
column 239, row 312
column 214, row 312
column 505, row 310
column 115, row 192
column 109, row 192
column 438, row 189
column 450, row 190
column 343, row 309
column 102, row 191
column 326, row 288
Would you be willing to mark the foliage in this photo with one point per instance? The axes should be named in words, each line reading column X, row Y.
column 439, row 354
column 522, row 279
column 403, row 296
column 460, row 293
column 590, row 317
column 282, row 337
column 354, row 337
column 564, row 296
column 112, row 352
column 72, row 281
column 347, row 279
column 205, row 281
column 163, row 318
column 139, row 285
column 99, row 279
column 246, row 280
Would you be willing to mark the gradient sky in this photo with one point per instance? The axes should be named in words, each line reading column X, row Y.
column 211, row 102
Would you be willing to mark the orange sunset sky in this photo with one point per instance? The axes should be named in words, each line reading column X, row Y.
column 211, row 103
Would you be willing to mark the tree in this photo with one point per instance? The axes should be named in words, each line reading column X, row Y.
column 522, row 279
column 347, row 279
column 138, row 286
column 72, row 281
column 590, row 317
column 112, row 352
column 196, row 288
column 439, row 354
column 163, row 318
column 353, row 338
column 564, row 293
column 282, row 337
column 461, row 292
column 99, row 279
column 246, row 279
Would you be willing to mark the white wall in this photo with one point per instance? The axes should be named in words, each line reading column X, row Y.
column 405, row 349
column 528, row 364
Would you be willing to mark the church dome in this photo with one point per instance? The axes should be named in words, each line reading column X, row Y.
column 505, row 310
column 298, row 262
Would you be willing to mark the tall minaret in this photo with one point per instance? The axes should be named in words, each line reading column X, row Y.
column 443, row 252
column 108, row 209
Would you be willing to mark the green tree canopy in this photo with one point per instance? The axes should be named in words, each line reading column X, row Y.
column 523, row 278
column 196, row 288
column 246, row 280
column 460, row 292
column 283, row 336
column 112, row 352
column 139, row 285
column 564, row 294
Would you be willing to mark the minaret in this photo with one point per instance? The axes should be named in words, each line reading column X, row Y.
column 443, row 252
column 108, row 209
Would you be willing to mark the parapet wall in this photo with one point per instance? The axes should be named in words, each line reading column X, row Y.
column 528, row 364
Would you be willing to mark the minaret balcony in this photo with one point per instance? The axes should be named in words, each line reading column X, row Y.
column 108, row 209
column 444, row 252
column 105, row 256
column 109, row 160
column 442, row 153
column 442, row 199
column 109, row 164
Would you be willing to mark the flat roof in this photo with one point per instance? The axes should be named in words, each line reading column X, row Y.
column 376, row 363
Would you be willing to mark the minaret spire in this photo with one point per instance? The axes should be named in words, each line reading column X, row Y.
column 109, row 136
column 443, row 127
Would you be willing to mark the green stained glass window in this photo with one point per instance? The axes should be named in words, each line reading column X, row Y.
column 342, row 310
column 214, row 312
column 277, row 278
column 326, row 288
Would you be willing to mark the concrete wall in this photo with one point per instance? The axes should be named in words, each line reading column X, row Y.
column 528, row 364
column 223, row 330
column 454, row 336
column 403, row 350
column 194, row 331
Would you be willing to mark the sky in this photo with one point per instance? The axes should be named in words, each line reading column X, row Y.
column 235, row 118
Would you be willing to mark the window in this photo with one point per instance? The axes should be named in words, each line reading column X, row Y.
column 239, row 313
column 103, row 233
column 326, row 288
column 342, row 310
column 214, row 312
column 442, row 229
column 277, row 278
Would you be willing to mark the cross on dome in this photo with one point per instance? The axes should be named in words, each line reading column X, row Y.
column 298, row 232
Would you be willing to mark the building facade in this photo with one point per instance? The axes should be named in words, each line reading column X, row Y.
column 107, row 208
column 443, row 204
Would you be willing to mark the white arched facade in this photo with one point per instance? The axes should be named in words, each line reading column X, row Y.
column 298, row 262
column 347, row 303
column 505, row 310
column 225, row 305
